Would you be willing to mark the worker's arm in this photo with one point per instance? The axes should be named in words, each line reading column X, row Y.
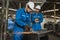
column 19, row 20
column 41, row 18
column 32, row 18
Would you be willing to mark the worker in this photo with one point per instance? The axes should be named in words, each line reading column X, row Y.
column 37, row 19
column 22, row 19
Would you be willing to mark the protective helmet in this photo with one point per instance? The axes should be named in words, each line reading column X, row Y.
column 38, row 7
column 31, row 5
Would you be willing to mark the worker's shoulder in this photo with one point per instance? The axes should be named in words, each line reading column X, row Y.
column 20, row 9
column 40, row 13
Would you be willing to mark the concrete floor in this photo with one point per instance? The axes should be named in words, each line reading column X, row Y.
column 52, row 37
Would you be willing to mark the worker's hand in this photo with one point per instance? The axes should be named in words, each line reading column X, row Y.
column 31, row 30
column 27, row 28
column 36, row 20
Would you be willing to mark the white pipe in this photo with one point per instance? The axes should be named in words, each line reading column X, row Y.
column 56, row 16
column 10, row 9
column 50, row 10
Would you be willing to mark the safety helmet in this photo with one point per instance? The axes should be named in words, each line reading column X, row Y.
column 31, row 5
column 38, row 7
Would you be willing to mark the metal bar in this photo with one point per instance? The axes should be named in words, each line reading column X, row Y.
column 6, row 19
column 37, row 2
column 54, row 12
column 43, row 3
column 19, row 4
column 57, row 2
column 34, row 1
column 2, row 17
column 50, row 10
column 54, row 15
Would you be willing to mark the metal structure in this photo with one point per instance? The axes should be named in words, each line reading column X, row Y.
column 6, row 19
column 54, row 15
column 4, row 24
column 2, row 18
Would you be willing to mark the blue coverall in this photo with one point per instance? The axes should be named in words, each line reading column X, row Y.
column 10, row 24
column 37, row 25
column 22, row 18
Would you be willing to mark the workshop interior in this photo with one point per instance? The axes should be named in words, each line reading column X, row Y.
column 29, row 19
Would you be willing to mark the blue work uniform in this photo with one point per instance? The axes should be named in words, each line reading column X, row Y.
column 22, row 18
column 10, row 24
column 37, row 25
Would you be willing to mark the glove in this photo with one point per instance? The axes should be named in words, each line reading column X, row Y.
column 27, row 28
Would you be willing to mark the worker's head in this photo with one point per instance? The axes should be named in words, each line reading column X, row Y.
column 29, row 6
column 37, row 8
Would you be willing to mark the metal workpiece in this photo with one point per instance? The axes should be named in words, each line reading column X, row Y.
column 36, row 35
column 42, row 33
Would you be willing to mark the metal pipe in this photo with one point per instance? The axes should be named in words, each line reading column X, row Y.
column 2, row 17
column 50, row 10
column 34, row 1
column 6, row 19
column 19, row 4
column 54, row 12
column 43, row 3
column 54, row 15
